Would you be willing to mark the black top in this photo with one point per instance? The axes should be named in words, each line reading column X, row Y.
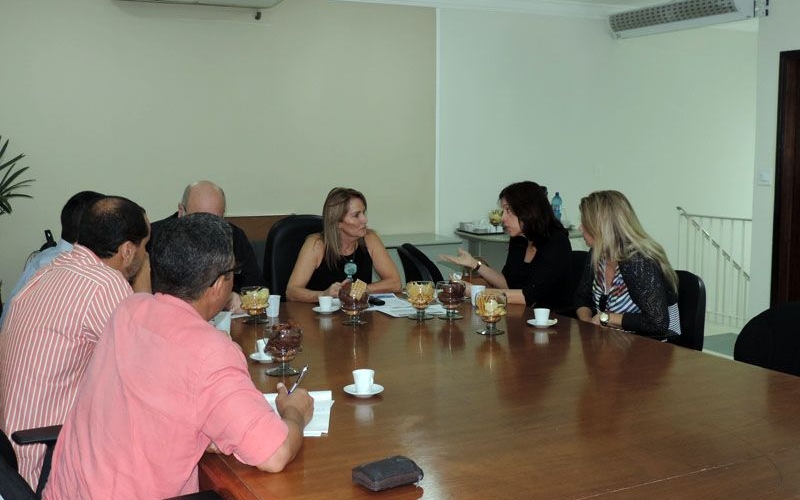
column 242, row 251
column 323, row 276
column 545, row 279
column 649, row 290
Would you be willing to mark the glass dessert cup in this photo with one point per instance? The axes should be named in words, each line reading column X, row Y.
column 420, row 295
column 450, row 295
column 491, row 307
column 353, row 303
column 254, row 302
column 284, row 342
column 496, row 218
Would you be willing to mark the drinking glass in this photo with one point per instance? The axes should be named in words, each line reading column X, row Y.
column 255, row 300
column 353, row 298
column 491, row 307
column 496, row 218
column 284, row 342
column 451, row 295
column 420, row 295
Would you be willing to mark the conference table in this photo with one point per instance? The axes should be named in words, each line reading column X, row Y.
column 575, row 411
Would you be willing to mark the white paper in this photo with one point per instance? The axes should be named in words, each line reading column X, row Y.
column 400, row 308
column 323, row 401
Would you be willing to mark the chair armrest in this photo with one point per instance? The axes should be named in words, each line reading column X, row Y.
column 202, row 495
column 43, row 435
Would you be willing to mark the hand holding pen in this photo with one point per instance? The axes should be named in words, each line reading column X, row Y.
column 299, row 379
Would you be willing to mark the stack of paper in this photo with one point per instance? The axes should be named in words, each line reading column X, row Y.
column 323, row 400
column 400, row 308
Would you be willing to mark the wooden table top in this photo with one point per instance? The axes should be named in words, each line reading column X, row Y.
column 573, row 412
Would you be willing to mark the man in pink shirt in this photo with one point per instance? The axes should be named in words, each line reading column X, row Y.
column 56, row 319
column 164, row 385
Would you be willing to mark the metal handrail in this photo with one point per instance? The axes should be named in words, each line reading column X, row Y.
column 687, row 214
column 710, row 239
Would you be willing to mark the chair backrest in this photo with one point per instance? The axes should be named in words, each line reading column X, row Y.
column 692, row 308
column 283, row 244
column 416, row 265
column 772, row 339
column 12, row 485
column 578, row 263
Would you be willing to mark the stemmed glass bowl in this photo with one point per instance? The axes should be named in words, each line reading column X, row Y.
column 354, row 297
column 491, row 307
column 450, row 294
column 420, row 295
column 254, row 302
column 496, row 218
column 284, row 342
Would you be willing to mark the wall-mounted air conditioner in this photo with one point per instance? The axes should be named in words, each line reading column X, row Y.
column 682, row 14
column 246, row 4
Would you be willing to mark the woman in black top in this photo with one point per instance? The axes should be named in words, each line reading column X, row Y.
column 346, row 247
column 537, row 268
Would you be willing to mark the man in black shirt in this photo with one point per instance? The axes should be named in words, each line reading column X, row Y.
column 207, row 197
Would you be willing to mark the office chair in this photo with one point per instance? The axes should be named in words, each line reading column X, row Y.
column 771, row 339
column 284, row 241
column 14, row 487
column 692, row 308
column 578, row 262
column 416, row 265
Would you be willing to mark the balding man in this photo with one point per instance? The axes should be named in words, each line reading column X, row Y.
column 58, row 317
column 207, row 197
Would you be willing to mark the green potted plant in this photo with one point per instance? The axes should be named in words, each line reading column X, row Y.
column 9, row 185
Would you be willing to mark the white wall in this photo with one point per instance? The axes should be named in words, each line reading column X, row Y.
column 777, row 33
column 667, row 119
column 140, row 99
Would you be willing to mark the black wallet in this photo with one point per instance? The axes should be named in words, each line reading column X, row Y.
column 387, row 473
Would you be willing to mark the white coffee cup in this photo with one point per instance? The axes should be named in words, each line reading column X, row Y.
column 325, row 303
column 261, row 344
column 363, row 378
column 475, row 290
column 541, row 315
column 273, row 306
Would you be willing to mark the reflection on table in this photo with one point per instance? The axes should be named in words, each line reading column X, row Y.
column 574, row 411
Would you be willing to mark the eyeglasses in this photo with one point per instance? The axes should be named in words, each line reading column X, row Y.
column 236, row 270
column 603, row 302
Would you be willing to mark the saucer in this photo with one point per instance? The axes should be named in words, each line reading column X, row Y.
column 351, row 389
column 549, row 322
column 333, row 309
column 261, row 357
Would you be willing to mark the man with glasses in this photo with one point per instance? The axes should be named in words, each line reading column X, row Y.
column 171, row 384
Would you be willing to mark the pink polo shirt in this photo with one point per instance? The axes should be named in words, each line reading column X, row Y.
column 162, row 385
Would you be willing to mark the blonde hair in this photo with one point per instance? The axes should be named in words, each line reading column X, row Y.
column 333, row 212
column 610, row 220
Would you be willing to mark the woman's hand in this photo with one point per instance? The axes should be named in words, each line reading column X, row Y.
column 333, row 290
column 463, row 259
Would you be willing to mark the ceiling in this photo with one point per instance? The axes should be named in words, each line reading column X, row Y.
column 580, row 8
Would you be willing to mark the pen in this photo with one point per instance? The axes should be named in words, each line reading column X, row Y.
column 299, row 379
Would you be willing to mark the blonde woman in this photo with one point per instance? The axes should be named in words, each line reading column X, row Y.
column 345, row 246
column 628, row 282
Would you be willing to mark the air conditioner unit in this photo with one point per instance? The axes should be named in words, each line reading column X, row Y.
column 683, row 14
column 247, row 4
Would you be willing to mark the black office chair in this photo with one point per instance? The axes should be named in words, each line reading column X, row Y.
column 772, row 339
column 692, row 308
column 14, row 487
column 283, row 244
column 416, row 265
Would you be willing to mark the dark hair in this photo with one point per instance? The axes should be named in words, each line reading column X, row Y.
column 528, row 201
column 72, row 212
column 109, row 222
column 189, row 254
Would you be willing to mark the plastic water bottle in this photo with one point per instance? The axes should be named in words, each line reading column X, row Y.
column 556, row 203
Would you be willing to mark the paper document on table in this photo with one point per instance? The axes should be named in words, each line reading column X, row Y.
column 399, row 308
column 323, row 401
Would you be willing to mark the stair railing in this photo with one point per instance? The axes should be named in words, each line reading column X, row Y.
column 716, row 248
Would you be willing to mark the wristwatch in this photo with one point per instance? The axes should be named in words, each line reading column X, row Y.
column 604, row 318
column 477, row 266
